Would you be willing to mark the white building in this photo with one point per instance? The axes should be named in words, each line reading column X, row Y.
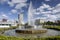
column 39, row 21
column 7, row 24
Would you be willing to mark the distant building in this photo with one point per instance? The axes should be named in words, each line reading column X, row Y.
column 4, row 23
column 39, row 21
column 4, row 20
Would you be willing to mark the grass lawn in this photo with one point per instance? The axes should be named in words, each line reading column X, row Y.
column 52, row 27
column 4, row 29
column 31, row 38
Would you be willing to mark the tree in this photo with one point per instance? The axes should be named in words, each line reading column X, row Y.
column 49, row 23
column 58, row 22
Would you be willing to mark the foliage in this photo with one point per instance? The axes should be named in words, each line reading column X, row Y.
column 57, row 22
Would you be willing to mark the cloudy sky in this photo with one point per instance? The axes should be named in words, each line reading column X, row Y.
column 43, row 9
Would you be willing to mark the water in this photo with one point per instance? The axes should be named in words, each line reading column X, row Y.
column 49, row 32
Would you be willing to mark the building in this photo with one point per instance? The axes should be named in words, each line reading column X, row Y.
column 6, row 24
column 4, row 20
column 39, row 21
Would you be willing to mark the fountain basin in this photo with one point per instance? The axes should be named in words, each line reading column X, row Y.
column 30, row 31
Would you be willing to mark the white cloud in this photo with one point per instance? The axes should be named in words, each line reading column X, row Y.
column 58, row 15
column 13, row 2
column 14, row 11
column 21, row 3
column 47, row 14
column 10, row 13
column 56, row 8
column 11, row 20
column 2, row 15
column 18, row 1
column 37, row 13
column 50, row 17
column 58, row 5
column 41, row 10
column 53, row 16
column 19, row 6
column 2, row 1
column 10, row 4
column 43, row 17
column 50, row 9
column 47, row 0
column 44, row 6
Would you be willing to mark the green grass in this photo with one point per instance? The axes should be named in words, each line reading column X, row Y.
column 4, row 29
column 9, row 38
column 53, row 27
column 13, row 27
column 31, row 38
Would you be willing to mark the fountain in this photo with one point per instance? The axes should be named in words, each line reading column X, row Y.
column 34, row 29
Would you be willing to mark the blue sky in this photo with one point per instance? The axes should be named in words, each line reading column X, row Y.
column 44, row 9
